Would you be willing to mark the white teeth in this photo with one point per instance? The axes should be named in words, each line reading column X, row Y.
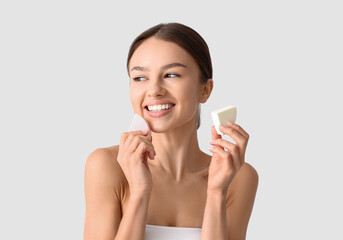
column 158, row 108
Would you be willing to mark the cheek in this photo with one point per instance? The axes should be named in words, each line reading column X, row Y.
column 135, row 98
column 132, row 100
column 189, row 93
column 188, row 99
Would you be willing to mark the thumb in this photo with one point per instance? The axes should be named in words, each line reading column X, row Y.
column 215, row 135
column 149, row 135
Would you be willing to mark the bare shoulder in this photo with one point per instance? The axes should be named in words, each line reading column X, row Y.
column 248, row 173
column 246, row 180
column 103, row 193
column 102, row 162
column 103, row 158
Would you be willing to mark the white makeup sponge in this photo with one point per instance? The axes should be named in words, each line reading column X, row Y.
column 138, row 124
column 222, row 116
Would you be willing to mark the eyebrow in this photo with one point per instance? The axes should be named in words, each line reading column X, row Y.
column 170, row 65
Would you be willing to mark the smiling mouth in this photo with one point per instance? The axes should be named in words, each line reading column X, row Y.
column 159, row 108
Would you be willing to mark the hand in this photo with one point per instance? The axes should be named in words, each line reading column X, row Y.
column 134, row 149
column 225, row 164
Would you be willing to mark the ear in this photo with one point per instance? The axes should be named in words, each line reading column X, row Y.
column 206, row 90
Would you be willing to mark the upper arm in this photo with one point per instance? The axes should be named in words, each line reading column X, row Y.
column 240, row 201
column 103, row 209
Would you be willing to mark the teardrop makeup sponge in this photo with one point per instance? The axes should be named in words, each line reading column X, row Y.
column 138, row 124
column 222, row 116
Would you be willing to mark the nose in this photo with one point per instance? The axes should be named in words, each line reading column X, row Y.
column 156, row 89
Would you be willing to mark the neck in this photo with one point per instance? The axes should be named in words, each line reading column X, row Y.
column 177, row 150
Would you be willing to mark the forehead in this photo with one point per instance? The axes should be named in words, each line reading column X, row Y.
column 155, row 52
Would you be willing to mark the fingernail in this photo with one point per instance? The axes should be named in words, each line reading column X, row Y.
column 222, row 127
column 212, row 141
column 230, row 123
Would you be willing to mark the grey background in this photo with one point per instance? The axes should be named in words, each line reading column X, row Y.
column 64, row 92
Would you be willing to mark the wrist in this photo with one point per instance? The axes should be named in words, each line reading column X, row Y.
column 140, row 194
column 220, row 193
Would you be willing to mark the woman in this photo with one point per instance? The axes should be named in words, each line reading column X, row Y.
column 159, row 180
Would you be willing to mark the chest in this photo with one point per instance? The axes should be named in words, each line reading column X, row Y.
column 176, row 204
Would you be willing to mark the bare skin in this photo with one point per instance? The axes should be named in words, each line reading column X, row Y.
column 162, row 177
column 171, row 204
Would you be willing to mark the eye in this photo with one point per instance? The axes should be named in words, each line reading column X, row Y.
column 171, row 75
column 138, row 79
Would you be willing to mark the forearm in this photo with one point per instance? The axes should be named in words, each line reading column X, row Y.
column 132, row 225
column 214, row 221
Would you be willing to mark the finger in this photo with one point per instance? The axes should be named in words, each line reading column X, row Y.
column 149, row 135
column 239, row 139
column 225, row 144
column 223, row 154
column 148, row 155
column 148, row 140
column 142, row 149
column 240, row 146
column 152, row 155
column 141, row 132
column 137, row 141
column 215, row 135
column 152, row 152
column 232, row 148
column 220, row 151
column 128, row 142
column 125, row 135
column 146, row 134
column 123, row 138
column 238, row 128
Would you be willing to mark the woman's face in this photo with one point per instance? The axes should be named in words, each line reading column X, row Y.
column 165, row 86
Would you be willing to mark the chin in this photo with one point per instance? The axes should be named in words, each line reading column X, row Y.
column 159, row 128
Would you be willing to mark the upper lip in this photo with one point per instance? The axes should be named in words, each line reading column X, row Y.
column 158, row 102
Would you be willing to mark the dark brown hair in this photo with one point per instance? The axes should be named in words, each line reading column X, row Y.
column 184, row 36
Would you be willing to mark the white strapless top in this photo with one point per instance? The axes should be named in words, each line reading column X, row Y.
column 156, row 232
